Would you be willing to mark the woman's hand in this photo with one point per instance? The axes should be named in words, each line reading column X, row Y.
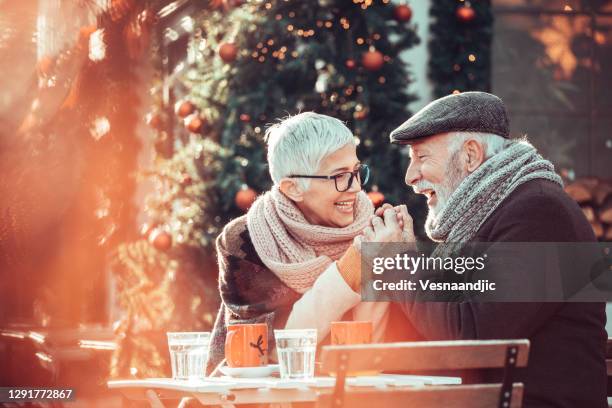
column 403, row 218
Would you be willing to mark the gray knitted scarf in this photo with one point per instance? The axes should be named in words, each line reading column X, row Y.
column 480, row 193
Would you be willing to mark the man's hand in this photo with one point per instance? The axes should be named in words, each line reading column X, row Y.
column 404, row 220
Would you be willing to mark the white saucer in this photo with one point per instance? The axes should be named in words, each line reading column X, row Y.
column 250, row 372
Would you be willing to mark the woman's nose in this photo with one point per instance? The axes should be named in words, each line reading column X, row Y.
column 355, row 185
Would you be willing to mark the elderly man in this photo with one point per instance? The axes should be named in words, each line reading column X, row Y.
column 482, row 186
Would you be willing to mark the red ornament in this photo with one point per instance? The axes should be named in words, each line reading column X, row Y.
column 186, row 180
column 194, row 123
column 372, row 60
column 465, row 14
column 217, row 4
column 161, row 240
column 376, row 197
column 245, row 117
column 350, row 63
column 402, row 13
column 360, row 115
column 154, row 120
column 245, row 198
column 228, row 52
column 184, row 108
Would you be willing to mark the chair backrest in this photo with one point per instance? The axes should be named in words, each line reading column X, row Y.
column 425, row 355
column 428, row 355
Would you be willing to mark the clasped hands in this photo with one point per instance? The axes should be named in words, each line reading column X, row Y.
column 388, row 224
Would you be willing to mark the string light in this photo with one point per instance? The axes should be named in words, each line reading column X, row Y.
column 97, row 46
column 291, row 14
column 290, row 27
column 456, row 91
column 471, row 57
column 360, row 41
column 456, row 67
column 328, row 24
column 278, row 17
column 99, row 128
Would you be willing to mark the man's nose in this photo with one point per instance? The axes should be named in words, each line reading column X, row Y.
column 412, row 174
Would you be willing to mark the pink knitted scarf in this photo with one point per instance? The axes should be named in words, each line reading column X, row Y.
column 295, row 250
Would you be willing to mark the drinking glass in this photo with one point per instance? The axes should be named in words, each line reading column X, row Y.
column 188, row 354
column 296, row 352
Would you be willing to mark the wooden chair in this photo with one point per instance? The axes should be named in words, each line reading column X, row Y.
column 429, row 355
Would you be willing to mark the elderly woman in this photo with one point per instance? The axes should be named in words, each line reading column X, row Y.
column 290, row 262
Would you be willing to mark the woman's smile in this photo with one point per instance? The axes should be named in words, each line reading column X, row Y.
column 346, row 206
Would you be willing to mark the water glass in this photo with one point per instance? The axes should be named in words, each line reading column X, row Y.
column 296, row 352
column 188, row 354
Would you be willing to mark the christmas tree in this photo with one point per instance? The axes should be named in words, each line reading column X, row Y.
column 338, row 58
column 246, row 65
column 460, row 46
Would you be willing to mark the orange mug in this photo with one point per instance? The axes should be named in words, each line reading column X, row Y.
column 246, row 345
column 343, row 333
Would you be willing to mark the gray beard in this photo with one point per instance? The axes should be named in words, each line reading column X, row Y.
column 454, row 175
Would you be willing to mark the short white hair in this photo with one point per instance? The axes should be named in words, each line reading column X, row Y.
column 491, row 142
column 298, row 144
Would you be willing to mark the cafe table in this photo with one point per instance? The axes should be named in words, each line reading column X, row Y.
column 229, row 391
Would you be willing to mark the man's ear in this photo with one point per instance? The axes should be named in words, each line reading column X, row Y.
column 290, row 188
column 475, row 154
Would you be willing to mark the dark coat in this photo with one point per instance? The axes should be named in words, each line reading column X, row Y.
column 567, row 357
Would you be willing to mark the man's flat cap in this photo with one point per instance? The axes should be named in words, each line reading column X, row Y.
column 463, row 112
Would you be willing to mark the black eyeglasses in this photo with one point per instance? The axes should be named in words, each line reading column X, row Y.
column 344, row 181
